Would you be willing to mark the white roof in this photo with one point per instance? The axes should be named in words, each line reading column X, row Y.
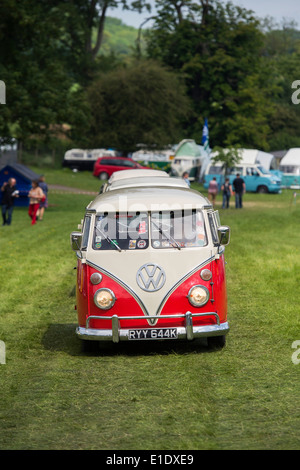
column 148, row 199
column 145, row 181
column 253, row 156
column 292, row 157
column 135, row 173
column 95, row 153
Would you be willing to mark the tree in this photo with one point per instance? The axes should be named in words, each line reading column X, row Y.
column 94, row 13
column 216, row 48
column 38, row 70
column 281, row 56
column 230, row 157
column 141, row 103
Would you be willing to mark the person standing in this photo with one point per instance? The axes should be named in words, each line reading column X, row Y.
column 43, row 203
column 227, row 192
column 239, row 188
column 213, row 189
column 36, row 195
column 10, row 192
column 185, row 176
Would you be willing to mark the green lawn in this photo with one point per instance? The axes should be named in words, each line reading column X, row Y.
column 150, row 396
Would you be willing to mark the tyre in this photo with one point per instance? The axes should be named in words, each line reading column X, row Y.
column 103, row 176
column 216, row 342
column 262, row 189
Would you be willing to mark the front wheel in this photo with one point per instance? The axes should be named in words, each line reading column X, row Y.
column 216, row 342
column 262, row 189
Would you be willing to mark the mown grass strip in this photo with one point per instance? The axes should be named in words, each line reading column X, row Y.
column 150, row 396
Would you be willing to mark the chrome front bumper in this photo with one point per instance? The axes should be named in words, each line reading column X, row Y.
column 188, row 332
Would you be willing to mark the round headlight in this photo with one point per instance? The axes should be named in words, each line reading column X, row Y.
column 96, row 278
column 198, row 296
column 206, row 274
column 104, row 298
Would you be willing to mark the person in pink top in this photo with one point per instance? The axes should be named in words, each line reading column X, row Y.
column 36, row 195
column 213, row 189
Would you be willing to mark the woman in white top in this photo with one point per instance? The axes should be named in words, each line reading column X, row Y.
column 36, row 195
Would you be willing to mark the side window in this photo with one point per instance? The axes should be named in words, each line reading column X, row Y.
column 235, row 171
column 128, row 163
column 216, row 215
column 117, row 162
column 251, row 172
column 213, row 227
column 85, row 232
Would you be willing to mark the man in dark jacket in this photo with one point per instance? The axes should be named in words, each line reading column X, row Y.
column 239, row 188
column 9, row 193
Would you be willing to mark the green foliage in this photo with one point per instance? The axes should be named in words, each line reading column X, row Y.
column 35, row 57
column 141, row 103
column 218, row 52
column 230, row 157
column 283, row 64
column 237, row 72
column 119, row 39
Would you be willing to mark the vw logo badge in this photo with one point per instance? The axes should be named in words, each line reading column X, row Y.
column 150, row 277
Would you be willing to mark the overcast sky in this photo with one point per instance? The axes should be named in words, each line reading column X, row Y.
column 278, row 9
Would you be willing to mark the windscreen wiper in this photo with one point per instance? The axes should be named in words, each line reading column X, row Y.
column 109, row 239
column 168, row 237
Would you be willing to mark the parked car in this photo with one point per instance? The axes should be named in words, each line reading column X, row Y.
column 104, row 167
column 150, row 264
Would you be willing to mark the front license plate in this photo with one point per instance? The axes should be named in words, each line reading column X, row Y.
column 151, row 333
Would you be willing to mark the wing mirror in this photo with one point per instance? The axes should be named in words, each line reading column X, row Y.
column 76, row 238
column 224, row 235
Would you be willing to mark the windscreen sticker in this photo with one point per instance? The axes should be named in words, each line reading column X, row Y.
column 132, row 244
column 142, row 227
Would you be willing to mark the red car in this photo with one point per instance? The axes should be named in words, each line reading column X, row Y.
column 104, row 167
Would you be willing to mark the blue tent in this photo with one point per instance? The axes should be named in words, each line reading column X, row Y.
column 24, row 176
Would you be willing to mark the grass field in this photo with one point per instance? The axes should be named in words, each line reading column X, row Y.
column 158, row 396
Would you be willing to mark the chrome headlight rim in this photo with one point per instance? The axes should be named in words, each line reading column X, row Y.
column 105, row 289
column 205, row 274
column 192, row 302
column 96, row 278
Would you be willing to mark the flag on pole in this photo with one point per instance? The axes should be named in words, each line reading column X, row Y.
column 205, row 136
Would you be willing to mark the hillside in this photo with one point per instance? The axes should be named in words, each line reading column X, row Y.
column 119, row 39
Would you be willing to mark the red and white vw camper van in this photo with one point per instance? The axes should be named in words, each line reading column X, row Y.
column 150, row 263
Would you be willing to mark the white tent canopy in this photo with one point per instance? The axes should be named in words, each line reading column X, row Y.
column 189, row 154
column 255, row 157
column 291, row 158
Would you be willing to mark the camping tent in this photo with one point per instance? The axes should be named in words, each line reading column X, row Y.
column 24, row 176
column 258, row 157
column 190, row 157
column 291, row 158
column 290, row 166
